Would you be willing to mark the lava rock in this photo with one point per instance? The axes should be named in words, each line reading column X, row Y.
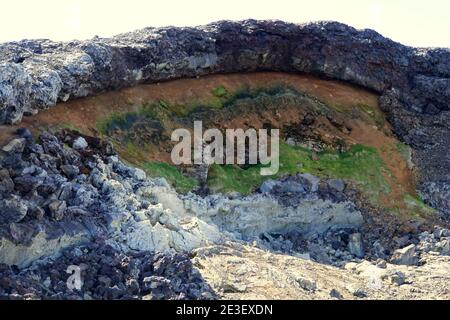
column 12, row 210
column 267, row 186
column 57, row 209
column 355, row 245
column 27, row 183
column 70, row 171
column 397, row 277
column 6, row 183
column 306, row 284
column 443, row 247
column 80, row 144
column 336, row 294
column 15, row 146
column 360, row 293
column 336, row 184
column 311, row 182
column 25, row 133
column 36, row 212
column 405, row 256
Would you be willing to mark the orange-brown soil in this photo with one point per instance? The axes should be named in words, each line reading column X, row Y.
column 84, row 114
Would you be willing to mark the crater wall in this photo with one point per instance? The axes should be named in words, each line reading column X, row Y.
column 414, row 83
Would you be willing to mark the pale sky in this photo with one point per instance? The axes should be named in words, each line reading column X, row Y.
column 412, row 22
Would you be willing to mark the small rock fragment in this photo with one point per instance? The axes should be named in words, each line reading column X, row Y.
column 405, row 256
column 80, row 144
column 70, row 171
column 15, row 146
column 360, row 293
column 355, row 245
column 335, row 294
column 306, row 284
column 398, row 278
column 336, row 184
column 57, row 209
column 12, row 210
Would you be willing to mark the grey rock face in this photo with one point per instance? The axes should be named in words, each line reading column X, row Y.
column 15, row 91
column 52, row 71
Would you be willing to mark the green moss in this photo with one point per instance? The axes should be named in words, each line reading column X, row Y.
column 232, row 178
column 124, row 121
column 220, row 92
column 404, row 150
column 416, row 206
column 116, row 120
column 68, row 126
column 171, row 173
column 362, row 111
column 162, row 110
column 361, row 164
column 251, row 93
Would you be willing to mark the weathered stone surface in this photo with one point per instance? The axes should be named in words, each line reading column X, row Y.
column 405, row 256
column 336, row 184
column 12, row 210
column 57, row 209
column 355, row 245
column 6, row 183
column 78, row 68
column 70, row 171
column 80, row 144
column 15, row 145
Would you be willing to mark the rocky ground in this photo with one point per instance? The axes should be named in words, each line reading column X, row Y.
column 68, row 201
column 236, row 271
column 106, row 274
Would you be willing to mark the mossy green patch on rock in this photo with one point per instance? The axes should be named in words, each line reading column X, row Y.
column 232, row 178
column 361, row 164
column 124, row 121
column 220, row 92
column 417, row 207
column 172, row 174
